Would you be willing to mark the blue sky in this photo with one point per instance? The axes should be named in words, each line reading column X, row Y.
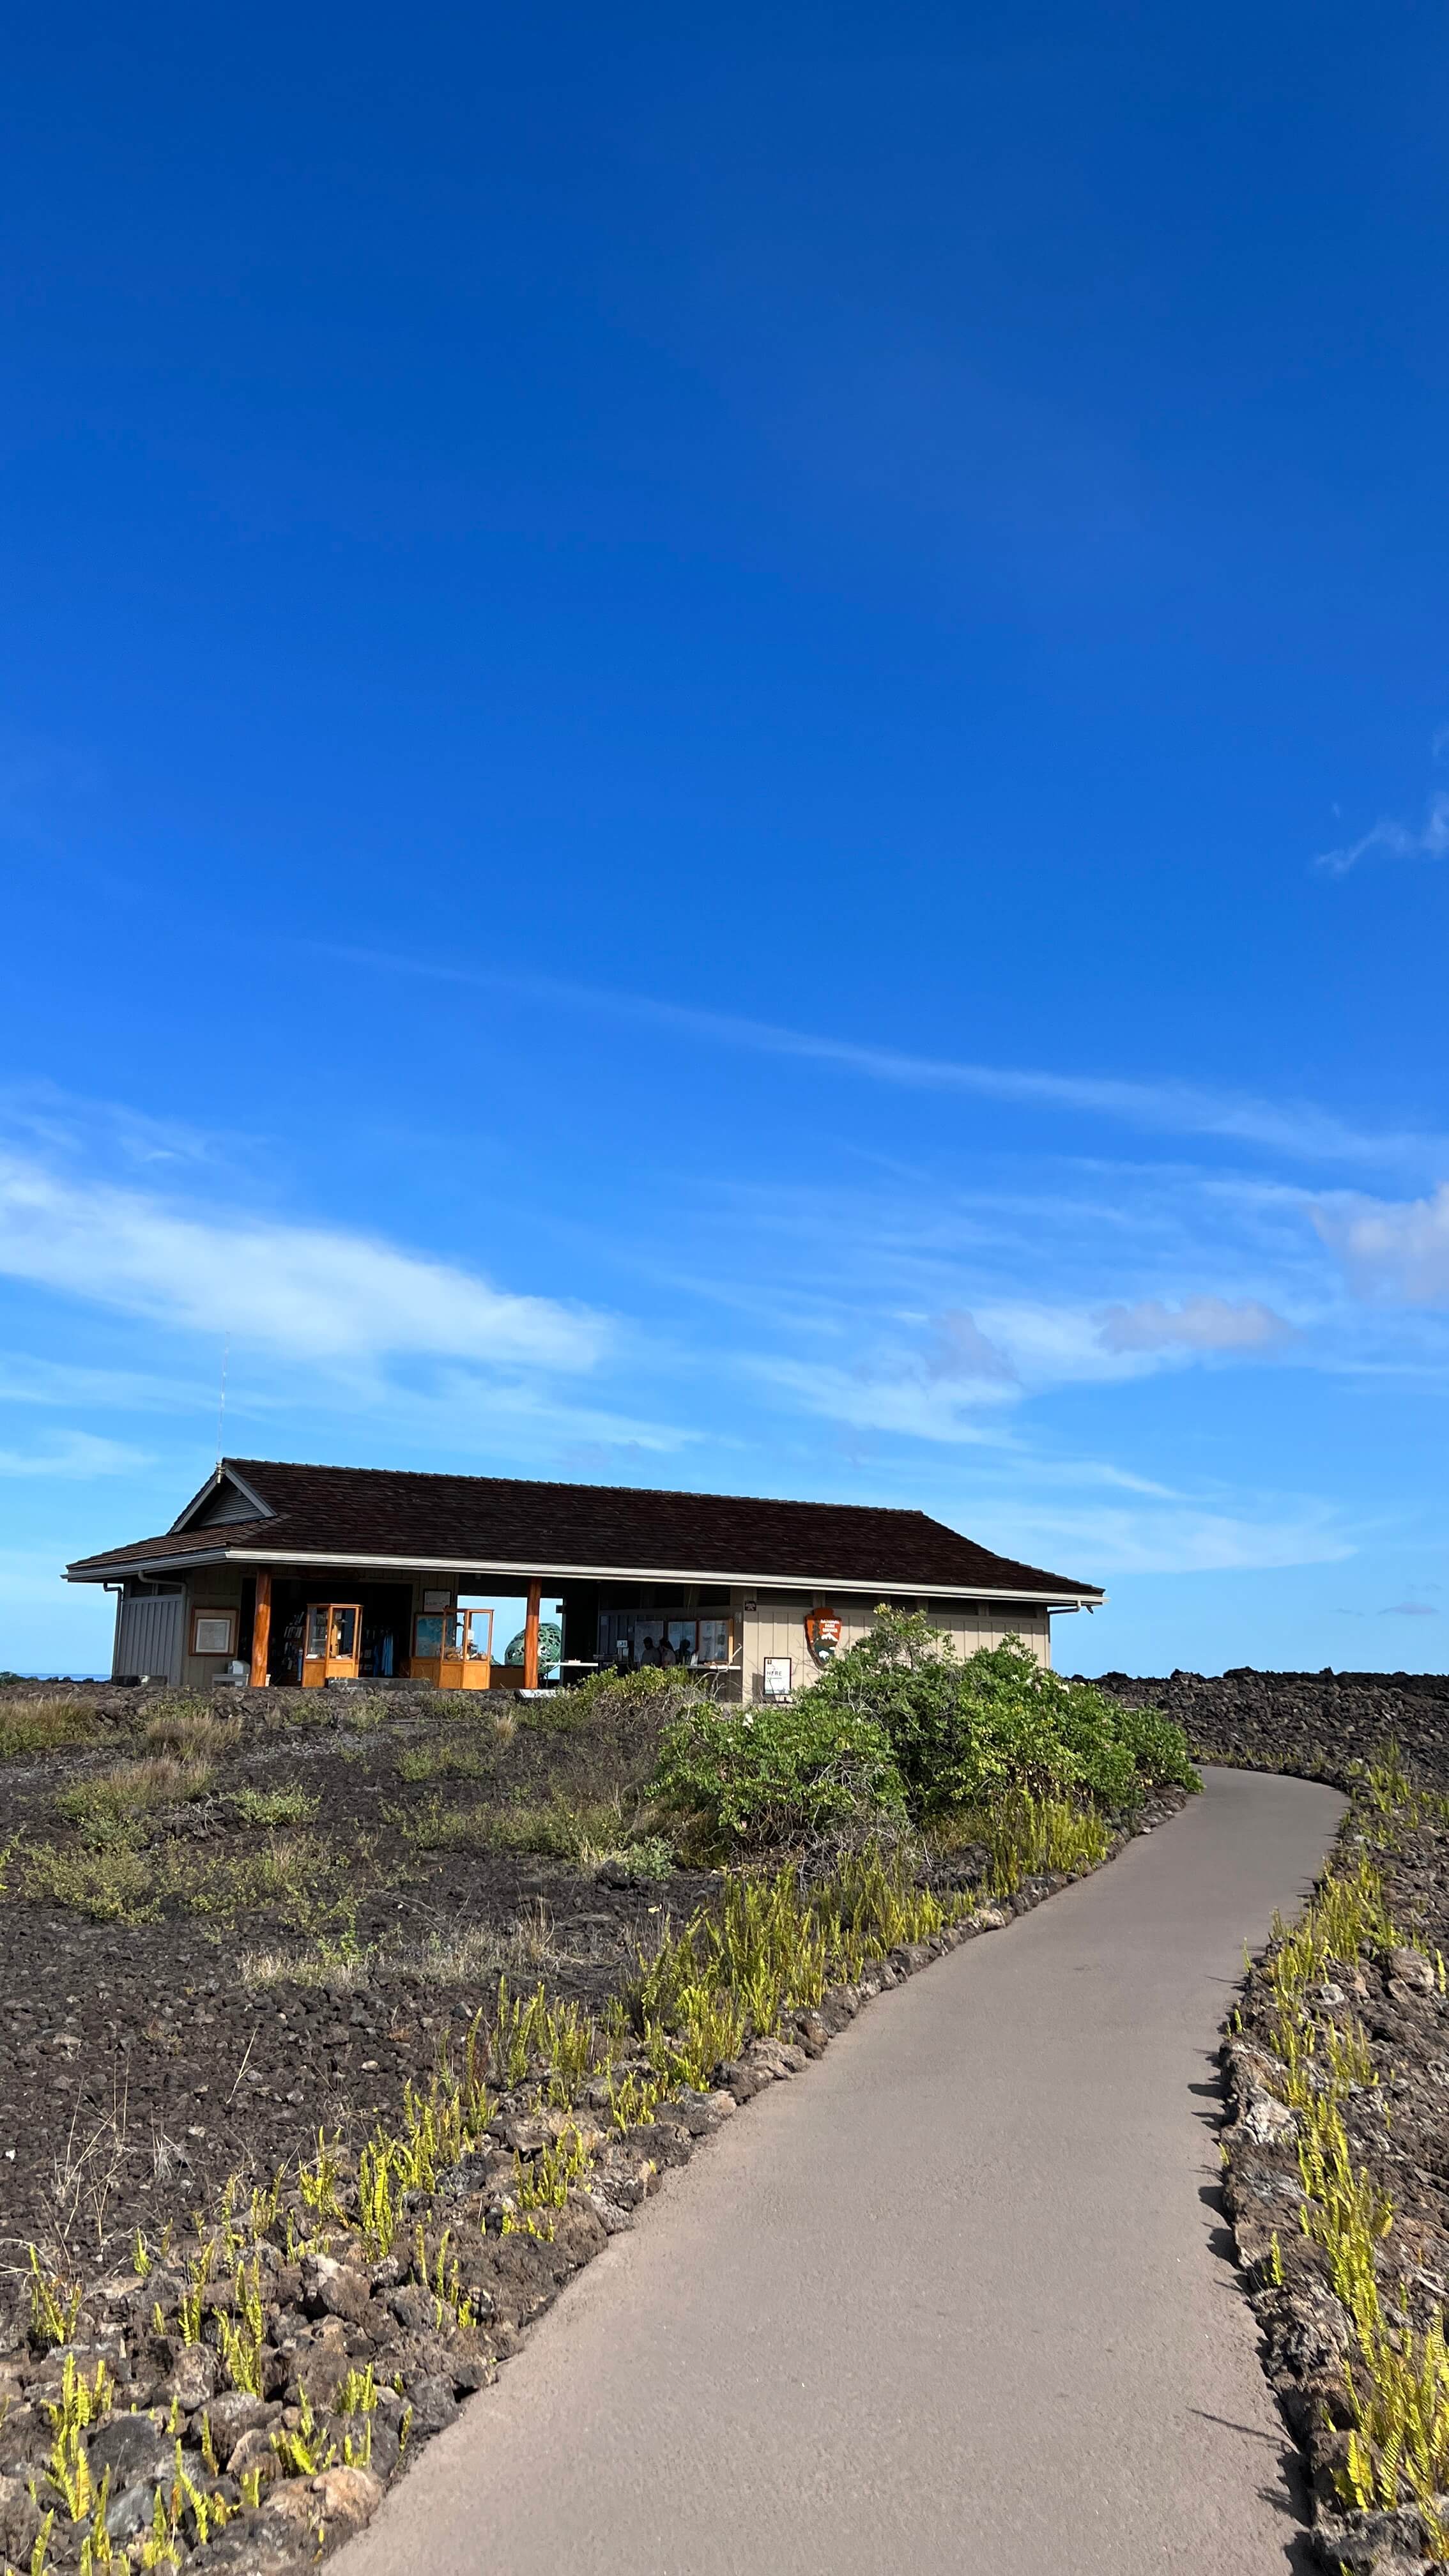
column 724, row 761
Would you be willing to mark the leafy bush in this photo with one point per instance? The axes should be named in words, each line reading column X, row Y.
column 774, row 1777
column 643, row 1863
column 966, row 1733
column 294, row 1806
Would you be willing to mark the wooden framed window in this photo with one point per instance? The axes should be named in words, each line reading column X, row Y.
column 213, row 1632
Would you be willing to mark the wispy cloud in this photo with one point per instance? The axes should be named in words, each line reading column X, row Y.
column 309, row 1291
column 1200, row 1323
column 1393, row 840
column 1409, row 1610
column 62, row 1124
column 1392, row 1249
column 77, row 1453
column 960, row 1352
column 1174, row 1540
column 1299, row 1129
column 881, row 1398
column 27, row 1380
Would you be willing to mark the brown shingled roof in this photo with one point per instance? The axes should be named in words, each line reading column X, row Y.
column 509, row 1522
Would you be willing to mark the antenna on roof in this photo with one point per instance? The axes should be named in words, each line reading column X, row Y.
column 221, row 1404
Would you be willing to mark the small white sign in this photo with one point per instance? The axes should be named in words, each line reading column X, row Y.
column 777, row 1677
column 437, row 1601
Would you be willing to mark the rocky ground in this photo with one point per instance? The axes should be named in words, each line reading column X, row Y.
column 1315, row 1725
column 214, row 2007
column 203, row 2013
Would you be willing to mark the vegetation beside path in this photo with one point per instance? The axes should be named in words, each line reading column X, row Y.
column 1337, row 2179
column 572, row 1937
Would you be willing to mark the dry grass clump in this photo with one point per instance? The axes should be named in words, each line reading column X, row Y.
column 131, row 1789
column 343, row 1969
column 471, row 1952
column 361, row 1711
column 465, row 1752
column 467, row 1954
column 192, row 1731
column 583, row 1831
column 44, row 1726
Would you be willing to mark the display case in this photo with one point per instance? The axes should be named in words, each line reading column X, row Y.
column 453, row 1649
column 331, row 1643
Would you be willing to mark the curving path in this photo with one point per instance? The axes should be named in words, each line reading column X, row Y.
column 949, row 2304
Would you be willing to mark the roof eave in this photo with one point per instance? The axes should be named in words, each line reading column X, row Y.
column 1048, row 1596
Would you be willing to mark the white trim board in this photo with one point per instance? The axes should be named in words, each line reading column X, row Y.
column 530, row 1571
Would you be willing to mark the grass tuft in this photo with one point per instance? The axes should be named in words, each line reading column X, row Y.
column 1025, row 1836
column 1397, row 2377
column 559, row 1828
column 191, row 1730
column 44, row 1726
column 131, row 1789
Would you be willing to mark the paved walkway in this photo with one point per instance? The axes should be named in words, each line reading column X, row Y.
column 952, row 2303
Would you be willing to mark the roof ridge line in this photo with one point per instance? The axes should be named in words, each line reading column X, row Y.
column 565, row 1485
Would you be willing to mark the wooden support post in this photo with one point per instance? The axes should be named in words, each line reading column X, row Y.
column 530, row 1637
column 262, row 1630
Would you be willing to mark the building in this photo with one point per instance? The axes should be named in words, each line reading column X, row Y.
column 278, row 1573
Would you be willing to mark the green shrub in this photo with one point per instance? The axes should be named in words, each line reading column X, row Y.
column 966, row 1733
column 645, row 1862
column 1159, row 1746
column 303, row 1881
column 768, row 1778
column 293, row 1806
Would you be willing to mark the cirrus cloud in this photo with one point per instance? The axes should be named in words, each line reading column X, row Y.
column 1199, row 1324
column 315, row 1292
column 1394, row 840
column 1396, row 1249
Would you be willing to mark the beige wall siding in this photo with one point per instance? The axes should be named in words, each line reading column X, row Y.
column 776, row 1626
column 219, row 1587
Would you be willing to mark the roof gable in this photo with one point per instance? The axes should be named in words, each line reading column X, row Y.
column 224, row 1497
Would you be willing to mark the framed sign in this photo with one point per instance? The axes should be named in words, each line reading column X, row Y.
column 437, row 1601
column 213, row 1632
column 777, row 1677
